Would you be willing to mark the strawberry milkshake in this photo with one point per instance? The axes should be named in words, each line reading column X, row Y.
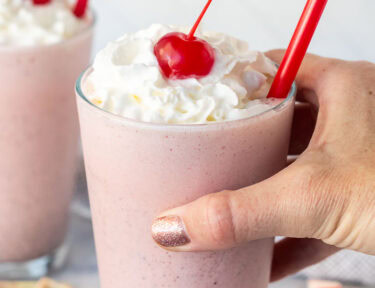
column 154, row 140
column 43, row 48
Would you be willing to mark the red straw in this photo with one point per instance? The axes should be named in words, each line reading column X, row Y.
column 297, row 48
column 80, row 8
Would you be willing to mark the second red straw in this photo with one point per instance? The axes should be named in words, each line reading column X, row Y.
column 297, row 48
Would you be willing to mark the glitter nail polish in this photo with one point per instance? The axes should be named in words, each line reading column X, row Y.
column 169, row 231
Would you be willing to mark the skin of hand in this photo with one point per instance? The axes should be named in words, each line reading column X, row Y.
column 322, row 202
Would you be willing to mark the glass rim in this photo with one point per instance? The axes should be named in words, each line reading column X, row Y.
column 86, row 29
column 81, row 94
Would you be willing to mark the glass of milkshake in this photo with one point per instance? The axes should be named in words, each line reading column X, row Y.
column 152, row 143
column 42, row 51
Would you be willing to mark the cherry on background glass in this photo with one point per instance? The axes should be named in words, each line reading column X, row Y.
column 41, row 2
column 79, row 9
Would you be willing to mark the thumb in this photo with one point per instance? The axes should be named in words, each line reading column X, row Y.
column 229, row 218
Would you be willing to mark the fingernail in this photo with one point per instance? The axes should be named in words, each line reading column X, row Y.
column 169, row 231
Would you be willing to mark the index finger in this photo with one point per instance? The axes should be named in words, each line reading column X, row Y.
column 312, row 74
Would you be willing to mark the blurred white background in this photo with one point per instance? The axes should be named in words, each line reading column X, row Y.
column 346, row 30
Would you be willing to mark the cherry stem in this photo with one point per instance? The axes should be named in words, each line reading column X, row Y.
column 195, row 27
column 80, row 8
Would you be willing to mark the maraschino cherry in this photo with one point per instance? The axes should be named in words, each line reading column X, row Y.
column 182, row 56
column 79, row 9
column 41, row 2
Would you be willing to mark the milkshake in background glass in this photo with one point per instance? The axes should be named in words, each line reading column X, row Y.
column 42, row 51
column 151, row 143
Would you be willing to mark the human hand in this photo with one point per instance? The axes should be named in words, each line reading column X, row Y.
column 325, row 200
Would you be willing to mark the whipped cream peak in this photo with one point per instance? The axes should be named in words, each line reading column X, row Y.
column 24, row 24
column 126, row 80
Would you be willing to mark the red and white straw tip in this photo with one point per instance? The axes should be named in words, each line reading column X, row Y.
column 297, row 48
column 41, row 2
column 323, row 284
column 80, row 8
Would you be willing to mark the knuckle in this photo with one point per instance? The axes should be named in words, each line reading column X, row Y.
column 219, row 218
column 322, row 195
column 333, row 63
column 363, row 65
column 330, row 71
column 330, row 65
column 364, row 71
column 351, row 223
column 313, row 196
column 340, row 69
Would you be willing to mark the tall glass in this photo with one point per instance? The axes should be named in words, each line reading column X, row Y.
column 136, row 170
column 38, row 149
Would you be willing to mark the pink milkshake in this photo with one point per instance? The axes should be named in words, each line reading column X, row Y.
column 38, row 130
column 151, row 144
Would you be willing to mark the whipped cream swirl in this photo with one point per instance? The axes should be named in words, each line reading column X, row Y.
column 25, row 24
column 126, row 80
